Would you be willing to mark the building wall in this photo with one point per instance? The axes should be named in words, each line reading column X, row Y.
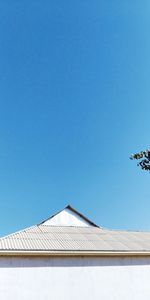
column 74, row 278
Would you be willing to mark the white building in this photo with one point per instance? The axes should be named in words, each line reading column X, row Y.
column 68, row 257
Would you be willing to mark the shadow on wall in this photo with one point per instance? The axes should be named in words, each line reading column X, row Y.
column 74, row 262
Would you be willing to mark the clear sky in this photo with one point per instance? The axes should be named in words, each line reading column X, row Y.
column 74, row 104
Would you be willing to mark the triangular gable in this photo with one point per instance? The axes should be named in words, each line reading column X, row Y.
column 68, row 217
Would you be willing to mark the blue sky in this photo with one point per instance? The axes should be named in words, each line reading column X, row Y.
column 74, row 104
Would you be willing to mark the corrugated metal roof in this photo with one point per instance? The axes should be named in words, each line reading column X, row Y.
column 50, row 238
column 74, row 239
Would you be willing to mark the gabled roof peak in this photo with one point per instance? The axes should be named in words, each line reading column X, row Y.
column 69, row 217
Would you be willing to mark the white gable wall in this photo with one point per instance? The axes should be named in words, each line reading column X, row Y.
column 75, row 278
column 67, row 218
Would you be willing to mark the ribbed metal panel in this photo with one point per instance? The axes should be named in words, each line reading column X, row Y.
column 47, row 238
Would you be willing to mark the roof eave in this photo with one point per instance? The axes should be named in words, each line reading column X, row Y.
column 73, row 253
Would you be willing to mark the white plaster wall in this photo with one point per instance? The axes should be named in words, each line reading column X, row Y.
column 75, row 278
column 67, row 218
